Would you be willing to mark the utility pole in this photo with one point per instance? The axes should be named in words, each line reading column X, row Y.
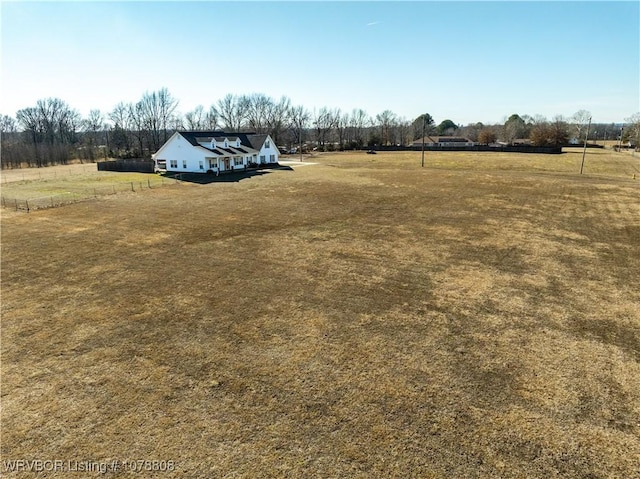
column 584, row 151
column 620, row 141
column 424, row 124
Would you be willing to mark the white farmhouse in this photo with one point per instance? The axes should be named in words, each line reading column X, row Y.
column 214, row 152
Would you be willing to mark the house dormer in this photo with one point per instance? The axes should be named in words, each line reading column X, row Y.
column 213, row 143
column 221, row 142
column 226, row 143
column 237, row 142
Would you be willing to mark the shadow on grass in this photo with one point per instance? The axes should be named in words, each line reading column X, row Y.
column 232, row 177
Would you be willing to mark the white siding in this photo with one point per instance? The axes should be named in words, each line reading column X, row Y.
column 181, row 150
column 268, row 152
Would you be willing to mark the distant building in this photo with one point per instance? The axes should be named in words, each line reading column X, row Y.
column 431, row 141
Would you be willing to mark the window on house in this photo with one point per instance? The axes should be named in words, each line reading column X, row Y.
column 272, row 158
column 267, row 144
column 262, row 158
column 237, row 161
column 173, row 163
column 184, row 163
column 201, row 165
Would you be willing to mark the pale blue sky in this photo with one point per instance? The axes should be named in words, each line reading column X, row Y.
column 466, row 61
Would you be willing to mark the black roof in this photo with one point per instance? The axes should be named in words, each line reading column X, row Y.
column 250, row 139
column 255, row 141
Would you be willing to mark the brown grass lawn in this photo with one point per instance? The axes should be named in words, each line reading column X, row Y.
column 362, row 317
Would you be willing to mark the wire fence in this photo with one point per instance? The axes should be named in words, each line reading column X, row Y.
column 82, row 194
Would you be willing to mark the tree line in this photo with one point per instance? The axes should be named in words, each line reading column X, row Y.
column 52, row 132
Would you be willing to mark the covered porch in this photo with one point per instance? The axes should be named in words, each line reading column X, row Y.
column 225, row 164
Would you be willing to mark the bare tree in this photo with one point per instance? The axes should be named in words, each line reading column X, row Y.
column 278, row 117
column 386, row 120
column 401, row 133
column 211, row 119
column 580, row 120
column 472, row 130
column 196, row 119
column 232, row 111
column 358, row 121
column 633, row 128
column 176, row 123
column 121, row 132
column 538, row 119
column 8, row 124
column 153, row 113
column 299, row 118
column 324, row 120
column 93, row 125
column 555, row 132
column 541, row 134
column 258, row 111
column 559, row 130
column 487, row 136
column 342, row 121
column 10, row 145
column 51, row 129
column 265, row 115
column 136, row 128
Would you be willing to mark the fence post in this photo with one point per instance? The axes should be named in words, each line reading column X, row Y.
column 4, row 204
column 52, row 201
column 132, row 186
column 149, row 183
column 27, row 202
column 16, row 204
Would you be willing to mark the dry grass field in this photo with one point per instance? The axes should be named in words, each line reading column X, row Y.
column 361, row 317
column 38, row 188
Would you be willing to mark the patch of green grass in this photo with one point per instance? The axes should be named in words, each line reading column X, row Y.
column 71, row 184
